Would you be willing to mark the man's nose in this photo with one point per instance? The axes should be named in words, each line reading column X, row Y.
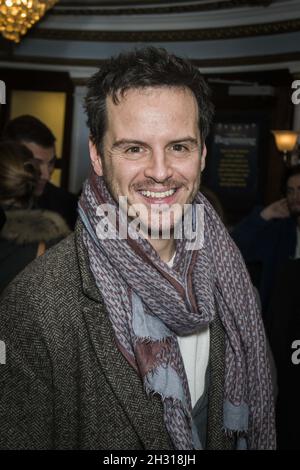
column 159, row 167
column 45, row 172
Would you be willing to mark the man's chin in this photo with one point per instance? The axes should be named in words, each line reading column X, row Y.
column 154, row 231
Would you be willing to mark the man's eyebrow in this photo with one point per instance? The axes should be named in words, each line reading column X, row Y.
column 192, row 140
column 122, row 142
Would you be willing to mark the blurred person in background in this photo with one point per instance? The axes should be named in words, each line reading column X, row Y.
column 26, row 232
column 2, row 218
column 271, row 235
column 35, row 135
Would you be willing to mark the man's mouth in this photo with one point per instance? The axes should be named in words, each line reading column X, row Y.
column 158, row 194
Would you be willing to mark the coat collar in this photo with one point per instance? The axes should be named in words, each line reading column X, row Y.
column 89, row 286
column 24, row 226
column 125, row 383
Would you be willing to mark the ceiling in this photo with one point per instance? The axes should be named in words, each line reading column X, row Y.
column 150, row 7
column 225, row 35
column 207, row 4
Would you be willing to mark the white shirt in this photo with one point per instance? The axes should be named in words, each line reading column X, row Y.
column 195, row 354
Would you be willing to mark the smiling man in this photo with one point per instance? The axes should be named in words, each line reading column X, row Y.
column 152, row 155
column 138, row 341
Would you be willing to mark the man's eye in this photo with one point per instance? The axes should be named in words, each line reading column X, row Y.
column 180, row 148
column 133, row 150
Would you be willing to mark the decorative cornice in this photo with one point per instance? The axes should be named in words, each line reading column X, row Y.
column 263, row 29
column 118, row 10
column 201, row 63
column 134, row 3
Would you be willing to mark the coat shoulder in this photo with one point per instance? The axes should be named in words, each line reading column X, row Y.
column 47, row 289
column 53, row 270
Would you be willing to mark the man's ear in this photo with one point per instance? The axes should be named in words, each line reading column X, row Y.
column 203, row 157
column 95, row 159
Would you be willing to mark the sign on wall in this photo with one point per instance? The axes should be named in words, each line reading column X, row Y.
column 233, row 162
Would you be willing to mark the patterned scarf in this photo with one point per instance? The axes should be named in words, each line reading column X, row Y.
column 149, row 304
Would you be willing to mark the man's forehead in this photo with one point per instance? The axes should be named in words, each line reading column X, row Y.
column 142, row 107
column 40, row 152
column 122, row 96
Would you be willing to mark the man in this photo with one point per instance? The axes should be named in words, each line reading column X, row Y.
column 271, row 236
column 135, row 340
column 284, row 335
column 35, row 135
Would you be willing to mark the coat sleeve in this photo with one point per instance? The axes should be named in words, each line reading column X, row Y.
column 25, row 380
column 253, row 236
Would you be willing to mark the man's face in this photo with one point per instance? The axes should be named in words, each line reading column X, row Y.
column 152, row 149
column 46, row 159
column 293, row 195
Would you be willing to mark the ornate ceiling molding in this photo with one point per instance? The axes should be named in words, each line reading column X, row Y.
column 263, row 29
column 201, row 63
column 117, row 9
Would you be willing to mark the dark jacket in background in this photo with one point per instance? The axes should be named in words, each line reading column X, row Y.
column 61, row 201
column 2, row 217
column 20, row 237
column 269, row 243
column 65, row 384
column 283, row 330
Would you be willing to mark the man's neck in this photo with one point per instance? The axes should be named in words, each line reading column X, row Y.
column 164, row 248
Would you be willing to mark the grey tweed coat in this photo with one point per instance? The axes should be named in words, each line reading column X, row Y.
column 64, row 383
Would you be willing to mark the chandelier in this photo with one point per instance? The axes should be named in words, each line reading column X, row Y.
column 17, row 16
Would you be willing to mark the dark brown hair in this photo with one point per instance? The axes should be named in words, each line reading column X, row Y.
column 28, row 128
column 141, row 68
column 19, row 174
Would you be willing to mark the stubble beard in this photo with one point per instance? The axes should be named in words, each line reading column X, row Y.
column 147, row 229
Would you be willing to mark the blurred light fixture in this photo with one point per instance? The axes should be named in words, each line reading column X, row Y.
column 285, row 142
column 17, row 16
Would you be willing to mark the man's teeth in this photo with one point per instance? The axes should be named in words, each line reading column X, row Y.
column 158, row 195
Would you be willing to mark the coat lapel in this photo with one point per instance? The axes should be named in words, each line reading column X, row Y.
column 216, row 438
column 145, row 413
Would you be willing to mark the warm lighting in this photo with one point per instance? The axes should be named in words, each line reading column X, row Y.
column 285, row 141
column 17, row 16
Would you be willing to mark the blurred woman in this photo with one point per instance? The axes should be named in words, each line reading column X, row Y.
column 26, row 233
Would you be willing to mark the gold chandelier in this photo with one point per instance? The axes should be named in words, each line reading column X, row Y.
column 17, row 16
